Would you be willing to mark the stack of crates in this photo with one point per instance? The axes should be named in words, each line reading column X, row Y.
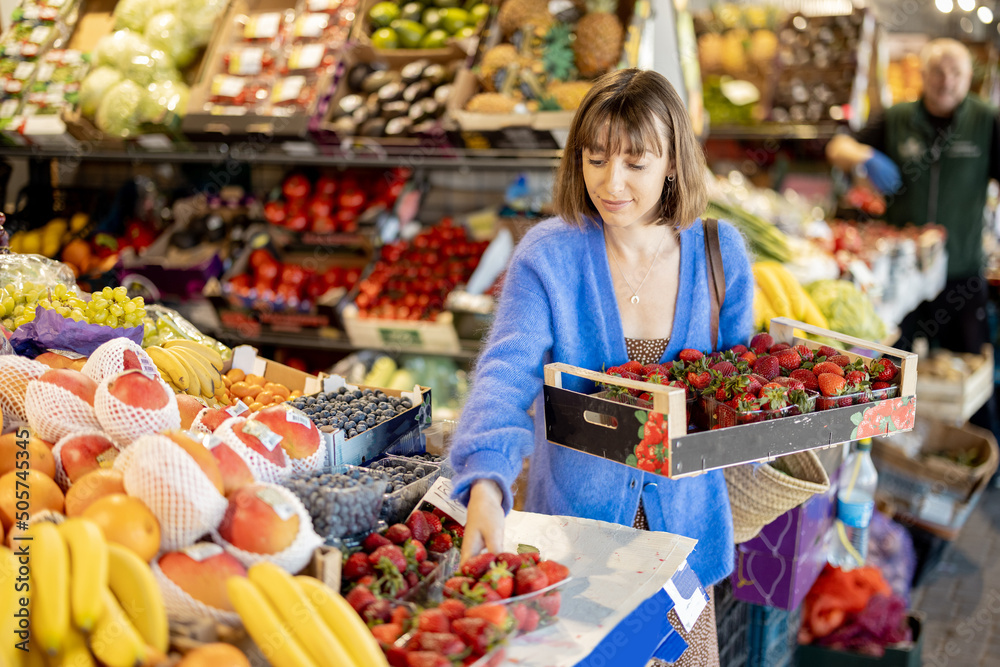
column 752, row 635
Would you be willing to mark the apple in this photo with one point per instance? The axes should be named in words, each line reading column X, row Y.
column 234, row 469
column 259, row 519
column 257, row 436
column 80, row 453
column 201, row 456
column 299, row 435
column 73, row 381
column 189, row 407
column 201, row 570
column 139, row 390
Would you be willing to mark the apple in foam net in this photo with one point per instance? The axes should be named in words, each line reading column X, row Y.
column 139, row 390
column 72, row 381
column 189, row 407
column 258, row 437
column 83, row 452
column 201, row 456
column 259, row 519
column 235, row 471
column 299, row 435
column 201, row 571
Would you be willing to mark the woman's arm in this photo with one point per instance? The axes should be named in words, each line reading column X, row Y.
column 736, row 316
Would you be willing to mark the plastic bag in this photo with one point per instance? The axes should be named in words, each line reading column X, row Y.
column 18, row 269
column 50, row 330
column 163, row 324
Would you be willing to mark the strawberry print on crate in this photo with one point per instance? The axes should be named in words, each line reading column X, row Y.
column 652, row 454
column 885, row 417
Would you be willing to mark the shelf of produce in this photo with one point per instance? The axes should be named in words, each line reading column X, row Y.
column 301, row 153
column 772, row 131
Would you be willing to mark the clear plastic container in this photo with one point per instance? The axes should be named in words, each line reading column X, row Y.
column 339, row 513
column 857, row 398
column 692, row 406
column 399, row 502
column 721, row 415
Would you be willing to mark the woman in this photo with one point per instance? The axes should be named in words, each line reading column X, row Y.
column 619, row 274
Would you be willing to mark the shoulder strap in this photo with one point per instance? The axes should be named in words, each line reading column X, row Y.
column 716, row 277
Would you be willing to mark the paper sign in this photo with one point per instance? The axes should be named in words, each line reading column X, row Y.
column 439, row 495
column 688, row 595
column 243, row 358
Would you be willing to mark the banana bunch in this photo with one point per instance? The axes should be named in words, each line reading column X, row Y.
column 92, row 601
column 301, row 622
column 778, row 294
column 162, row 324
column 189, row 367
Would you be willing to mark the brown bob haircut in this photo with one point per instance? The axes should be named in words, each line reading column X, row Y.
column 627, row 109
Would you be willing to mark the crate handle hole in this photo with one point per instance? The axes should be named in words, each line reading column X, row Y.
column 607, row 421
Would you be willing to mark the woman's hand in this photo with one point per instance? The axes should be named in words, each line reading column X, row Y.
column 484, row 525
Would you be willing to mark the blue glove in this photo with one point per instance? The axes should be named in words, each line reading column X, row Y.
column 883, row 173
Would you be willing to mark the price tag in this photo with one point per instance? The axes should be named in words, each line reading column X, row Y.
column 439, row 495
column 8, row 108
column 288, row 89
column 308, row 57
column 212, row 441
column 106, row 459
column 40, row 34
column 45, row 72
column 263, row 26
column 23, row 71
column 202, row 551
column 227, row 86
column 296, row 416
column 267, row 437
column 284, row 509
column 155, row 142
column 689, row 597
column 311, row 26
column 247, row 62
column 236, row 410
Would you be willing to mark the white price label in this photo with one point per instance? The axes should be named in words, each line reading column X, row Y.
column 40, row 34
column 311, row 26
column 267, row 437
column 284, row 509
column 45, row 72
column 237, row 409
column 227, row 86
column 308, row 57
column 439, row 495
column 8, row 108
column 288, row 89
column 23, row 71
column 263, row 26
column 296, row 416
column 689, row 596
column 106, row 459
column 202, row 551
column 212, row 441
column 247, row 62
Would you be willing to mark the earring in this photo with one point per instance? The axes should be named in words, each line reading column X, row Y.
column 670, row 178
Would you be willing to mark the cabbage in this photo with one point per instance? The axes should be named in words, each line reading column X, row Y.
column 847, row 310
column 94, row 87
column 200, row 17
column 161, row 98
column 118, row 113
column 166, row 32
column 133, row 14
column 145, row 68
column 118, row 48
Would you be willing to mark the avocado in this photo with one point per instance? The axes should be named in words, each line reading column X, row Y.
column 417, row 91
column 395, row 109
column 390, row 92
column 409, row 32
column 413, row 71
column 377, row 79
column 398, row 127
column 373, row 127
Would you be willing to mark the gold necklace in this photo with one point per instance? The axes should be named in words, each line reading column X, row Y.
column 635, row 292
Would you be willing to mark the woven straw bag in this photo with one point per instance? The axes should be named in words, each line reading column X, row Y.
column 759, row 494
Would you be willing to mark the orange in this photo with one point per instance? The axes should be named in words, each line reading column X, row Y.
column 216, row 654
column 256, row 380
column 126, row 521
column 91, row 486
column 42, row 494
column 39, row 455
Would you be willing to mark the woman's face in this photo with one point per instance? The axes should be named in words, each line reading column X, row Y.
column 626, row 189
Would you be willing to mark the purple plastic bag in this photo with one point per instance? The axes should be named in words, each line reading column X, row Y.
column 51, row 331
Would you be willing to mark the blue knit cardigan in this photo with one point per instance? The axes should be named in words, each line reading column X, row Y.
column 558, row 305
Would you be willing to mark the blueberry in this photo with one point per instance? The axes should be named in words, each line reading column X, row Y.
column 362, row 427
column 370, row 421
column 351, row 425
column 367, row 392
column 406, row 403
column 341, row 390
column 351, row 433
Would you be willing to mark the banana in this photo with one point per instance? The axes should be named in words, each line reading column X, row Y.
column 170, row 367
column 115, row 641
column 343, row 621
column 75, row 652
column 299, row 614
column 209, row 353
column 207, row 376
column 88, row 562
column 194, row 386
column 50, row 581
column 9, row 654
column 264, row 625
column 132, row 582
column 35, row 657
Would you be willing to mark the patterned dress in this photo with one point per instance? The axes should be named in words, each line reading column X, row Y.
column 703, row 640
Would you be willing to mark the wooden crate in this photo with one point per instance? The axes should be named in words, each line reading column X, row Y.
column 402, row 335
column 956, row 402
column 612, row 430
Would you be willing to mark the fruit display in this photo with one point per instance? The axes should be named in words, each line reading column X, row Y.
column 287, row 286
column 407, row 482
column 162, row 324
column 354, row 412
column 764, row 240
column 411, row 280
column 428, row 24
column 255, row 391
column 342, row 503
column 189, row 367
column 847, row 309
column 375, row 100
column 778, row 294
column 111, row 307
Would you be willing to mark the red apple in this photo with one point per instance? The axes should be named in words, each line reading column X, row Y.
column 256, row 435
column 201, row 571
column 72, row 381
column 299, row 435
column 139, row 390
column 81, row 453
column 235, row 471
column 259, row 520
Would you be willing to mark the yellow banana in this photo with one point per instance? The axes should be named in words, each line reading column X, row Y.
column 35, row 657
column 194, row 386
column 345, row 623
column 50, row 581
column 209, row 354
column 262, row 622
column 10, row 604
column 763, row 311
column 208, row 378
column 115, row 641
column 88, row 562
column 771, row 286
column 169, row 366
column 132, row 582
column 75, row 652
column 299, row 614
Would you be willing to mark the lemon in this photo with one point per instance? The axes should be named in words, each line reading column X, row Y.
column 435, row 39
column 385, row 38
column 383, row 13
column 409, row 32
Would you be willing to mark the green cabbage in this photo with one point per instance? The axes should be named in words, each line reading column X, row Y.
column 847, row 310
column 118, row 48
column 145, row 68
column 161, row 98
column 200, row 17
column 166, row 32
column 94, row 87
column 118, row 113
column 133, row 14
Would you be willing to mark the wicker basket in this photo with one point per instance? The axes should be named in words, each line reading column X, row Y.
column 760, row 493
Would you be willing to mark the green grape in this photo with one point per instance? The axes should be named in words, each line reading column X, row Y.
column 63, row 310
column 107, row 293
column 31, row 296
column 130, row 307
column 77, row 316
column 121, row 294
column 112, row 321
column 8, row 304
column 3, row 311
column 45, row 303
column 76, row 302
column 99, row 317
column 10, row 289
column 98, row 303
column 116, row 310
column 19, row 322
column 18, row 310
column 59, row 291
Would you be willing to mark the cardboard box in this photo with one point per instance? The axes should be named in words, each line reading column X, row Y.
column 907, row 654
column 612, row 430
column 932, row 492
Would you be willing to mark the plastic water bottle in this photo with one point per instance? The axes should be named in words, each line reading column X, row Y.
column 855, row 504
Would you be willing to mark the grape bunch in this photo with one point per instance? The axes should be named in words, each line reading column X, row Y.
column 111, row 307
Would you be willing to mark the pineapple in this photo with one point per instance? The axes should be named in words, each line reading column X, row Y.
column 495, row 60
column 568, row 95
column 491, row 103
column 599, row 36
column 515, row 14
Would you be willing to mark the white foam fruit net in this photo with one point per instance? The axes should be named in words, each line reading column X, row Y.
column 125, row 423
column 105, row 459
column 165, row 477
column 262, row 468
column 181, row 607
column 315, row 462
column 198, row 425
column 54, row 412
column 15, row 374
column 108, row 360
column 298, row 554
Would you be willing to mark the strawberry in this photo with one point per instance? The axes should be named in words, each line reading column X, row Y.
column 529, row 554
column 529, row 580
column 426, row 659
column 387, row 633
column 749, row 357
column 396, row 656
column 689, row 355
column 549, row 603
column 681, row 385
column 493, row 613
column 827, row 367
column 789, row 359
column 419, row 528
column 512, row 561
column 368, row 580
column 482, row 592
column 657, row 377
column 883, row 370
column 415, row 552
column 374, row 541
column 806, row 377
column 398, row 533
column 839, row 359
column 753, row 385
column 433, row 620
column 457, row 532
column 632, row 367
column 738, row 349
column 615, row 370
column 831, row 384
column 725, row 369
column 453, row 609
column 379, row 611
column 767, row 367
column 856, row 377
column 827, row 351
column 439, row 543
column 880, row 385
column 700, row 380
column 477, row 566
column 629, row 375
column 650, row 369
column 359, row 597
column 356, row 566
column 779, row 347
column 477, row 633
column 401, row 614
column 530, row 621
column 761, row 343
column 457, row 586
column 424, row 568
column 804, row 352
column 501, row 579
column 433, row 521
column 444, row 643
column 390, row 552
column 790, row 383
column 555, row 572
